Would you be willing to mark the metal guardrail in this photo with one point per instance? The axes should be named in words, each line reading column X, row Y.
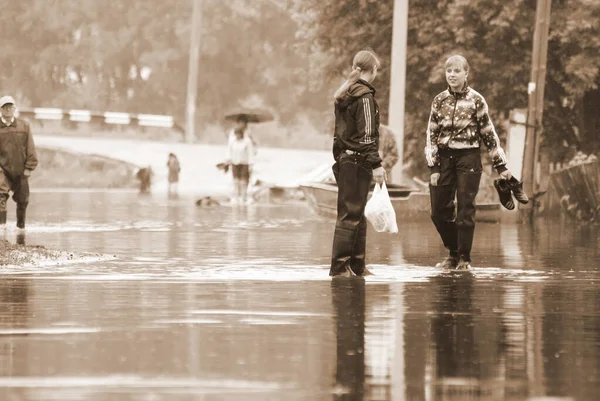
column 108, row 117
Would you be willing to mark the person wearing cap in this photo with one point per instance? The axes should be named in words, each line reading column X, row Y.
column 18, row 159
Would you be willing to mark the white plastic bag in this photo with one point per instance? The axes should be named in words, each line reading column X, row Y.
column 380, row 211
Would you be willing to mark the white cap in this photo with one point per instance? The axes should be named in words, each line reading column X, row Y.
column 6, row 100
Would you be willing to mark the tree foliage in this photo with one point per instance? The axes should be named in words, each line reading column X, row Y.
column 496, row 37
column 132, row 55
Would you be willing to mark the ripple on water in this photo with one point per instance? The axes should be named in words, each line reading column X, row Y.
column 164, row 269
column 51, row 331
column 90, row 226
column 136, row 382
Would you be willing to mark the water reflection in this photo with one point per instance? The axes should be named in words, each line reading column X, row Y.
column 14, row 312
column 464, row 355
column 242, row 294
column 20, row 239
column 348, row 298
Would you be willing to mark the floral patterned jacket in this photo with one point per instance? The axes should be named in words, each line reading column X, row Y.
column 460, row 120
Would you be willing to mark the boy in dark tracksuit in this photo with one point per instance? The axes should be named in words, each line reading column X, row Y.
column 18, row 159
column 355, row 150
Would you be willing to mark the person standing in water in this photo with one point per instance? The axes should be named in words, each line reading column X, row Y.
column 241, row 125
column 459, row 123
column 174, row 169
column 357, row 162
column 240, row 154
column 18, row 158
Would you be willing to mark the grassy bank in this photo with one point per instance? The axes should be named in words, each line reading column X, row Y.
column 62, row 169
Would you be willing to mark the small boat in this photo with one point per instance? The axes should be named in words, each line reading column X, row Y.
column 409, row 203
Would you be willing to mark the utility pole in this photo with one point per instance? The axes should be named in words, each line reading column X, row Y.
column 535, row 106
column 192, row 79
column 398, row 82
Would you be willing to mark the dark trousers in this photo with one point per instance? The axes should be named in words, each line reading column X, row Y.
column 20, row 188
column 353, row 176
column 459, row 178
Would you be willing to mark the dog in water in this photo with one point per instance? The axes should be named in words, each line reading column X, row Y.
column 207, row 201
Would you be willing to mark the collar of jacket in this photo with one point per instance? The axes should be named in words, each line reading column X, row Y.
column 358, row 89
column 460, row 93
column 368, row 85
column 5, row 123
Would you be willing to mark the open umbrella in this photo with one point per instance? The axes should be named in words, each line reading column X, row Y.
column 252, row 115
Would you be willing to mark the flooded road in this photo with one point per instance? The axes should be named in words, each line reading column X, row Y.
column 235, row 304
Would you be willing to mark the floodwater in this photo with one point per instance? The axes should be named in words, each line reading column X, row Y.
column 234, row 303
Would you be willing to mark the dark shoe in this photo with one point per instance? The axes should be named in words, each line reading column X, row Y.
column 503, row 188
column 347, row 272
column 449, row 263
column 365, row 272
column 517, row 189
column 463, row 265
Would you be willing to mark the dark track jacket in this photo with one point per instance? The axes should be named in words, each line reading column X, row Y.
column 17, row 149
column 460, row 120
column 357, row 123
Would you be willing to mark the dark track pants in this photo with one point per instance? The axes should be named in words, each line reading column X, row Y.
column 459, row 178
column 353, row 176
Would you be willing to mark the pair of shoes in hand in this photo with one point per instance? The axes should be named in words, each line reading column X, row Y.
column 507, row 188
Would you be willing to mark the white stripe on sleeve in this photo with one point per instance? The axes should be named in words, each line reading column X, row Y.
column 367, row 111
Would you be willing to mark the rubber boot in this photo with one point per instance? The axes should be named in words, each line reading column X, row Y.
column 343, row 242
column 3, row 199
column 21, row 212
column 357, row 263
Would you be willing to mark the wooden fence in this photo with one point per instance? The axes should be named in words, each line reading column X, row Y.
column 575, row 192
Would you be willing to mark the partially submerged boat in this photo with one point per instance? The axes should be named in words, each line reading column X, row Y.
column 410, row 204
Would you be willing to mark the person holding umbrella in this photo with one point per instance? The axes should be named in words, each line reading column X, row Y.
column 241, row 126
column 240, row 154
column 242, row 117
column 241, row 150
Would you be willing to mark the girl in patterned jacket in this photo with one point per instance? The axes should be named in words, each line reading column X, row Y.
column 458, row 124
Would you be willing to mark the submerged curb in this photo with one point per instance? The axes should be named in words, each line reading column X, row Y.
column 12, row 255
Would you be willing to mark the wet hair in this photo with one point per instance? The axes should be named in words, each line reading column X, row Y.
column 457, row 59
column 365, row 60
